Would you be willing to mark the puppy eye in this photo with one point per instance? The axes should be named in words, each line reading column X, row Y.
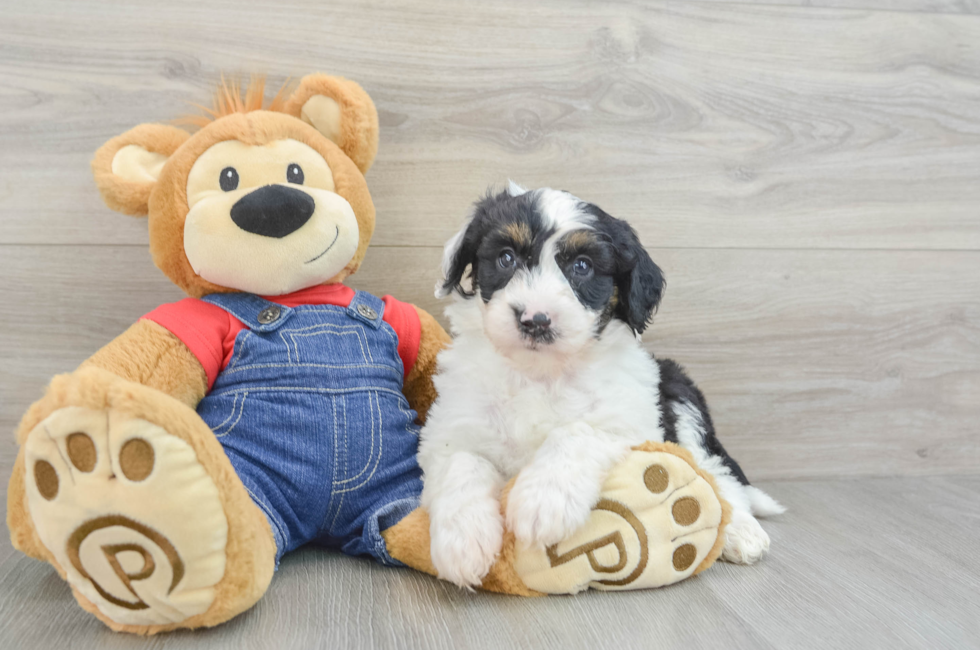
column 582, row 266
column 294, row 174
column 506, row 259
column 228, row 179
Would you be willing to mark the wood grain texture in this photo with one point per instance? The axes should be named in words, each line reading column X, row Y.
column 869, row 563
column 805, row 171
column 815, row 363
column 708, row 125
column 923, row 6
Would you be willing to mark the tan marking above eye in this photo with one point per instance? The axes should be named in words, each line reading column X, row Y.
column 81, row 452
column 578, row 239
column 520, row 234
column 136, row 459
column 46, row 479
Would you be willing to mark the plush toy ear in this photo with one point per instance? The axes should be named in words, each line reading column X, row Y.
column 126, row 168
column 342, row 112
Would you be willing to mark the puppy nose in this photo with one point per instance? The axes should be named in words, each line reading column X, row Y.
column 539, row 322
column 273, row 211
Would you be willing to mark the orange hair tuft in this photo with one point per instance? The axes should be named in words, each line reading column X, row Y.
column 228, row 100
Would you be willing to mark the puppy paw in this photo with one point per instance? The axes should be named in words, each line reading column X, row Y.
column 657, row 522
column 544, row 508
column 745, row 540
column 465, row 545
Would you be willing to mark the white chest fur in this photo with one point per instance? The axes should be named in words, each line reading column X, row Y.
column 503, row 410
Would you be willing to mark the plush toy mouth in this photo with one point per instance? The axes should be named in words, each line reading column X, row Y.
column 335, row 237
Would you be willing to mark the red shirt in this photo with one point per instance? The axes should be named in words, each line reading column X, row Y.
column 209, row 331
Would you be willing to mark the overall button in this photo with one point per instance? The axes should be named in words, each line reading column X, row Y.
column 269, row 315
column 367, row 312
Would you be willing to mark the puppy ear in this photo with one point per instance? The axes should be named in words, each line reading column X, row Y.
column 640, row 282
column 514, row 189
column 460, row 251
column 340, row 110
column 458, row 254
column 126, row 168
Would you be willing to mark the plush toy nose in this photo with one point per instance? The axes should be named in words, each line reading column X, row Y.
column 273, row 211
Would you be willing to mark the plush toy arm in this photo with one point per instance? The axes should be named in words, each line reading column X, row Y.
column 148, row 354
column 419, row 388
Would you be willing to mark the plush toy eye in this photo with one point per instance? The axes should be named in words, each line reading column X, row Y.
column 228, row 179
column 506, row 259
column 582, row 266
column 294, row 174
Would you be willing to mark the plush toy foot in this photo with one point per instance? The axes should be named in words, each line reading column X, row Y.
column 659, row 520
column 131, row 498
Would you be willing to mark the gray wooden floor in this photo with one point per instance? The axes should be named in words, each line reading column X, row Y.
column 807, row 172
column 859, row 563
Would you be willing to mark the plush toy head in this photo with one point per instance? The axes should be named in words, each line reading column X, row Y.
column 262, row 200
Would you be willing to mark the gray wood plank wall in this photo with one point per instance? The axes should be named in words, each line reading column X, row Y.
column 808, row 177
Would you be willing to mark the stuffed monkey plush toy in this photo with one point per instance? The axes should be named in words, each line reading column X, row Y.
column 275, row 406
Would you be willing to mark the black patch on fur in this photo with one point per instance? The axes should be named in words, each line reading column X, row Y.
column 500, row 221
column 676, row 386
column 640, row 282
column 667, row 416
column 596, row 289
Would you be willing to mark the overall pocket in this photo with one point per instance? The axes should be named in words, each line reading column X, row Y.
column 223, row 413
column 358, row 447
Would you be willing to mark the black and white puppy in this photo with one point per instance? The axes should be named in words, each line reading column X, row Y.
column 546, row 379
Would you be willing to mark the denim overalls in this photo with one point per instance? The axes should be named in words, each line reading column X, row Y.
column 310, row 411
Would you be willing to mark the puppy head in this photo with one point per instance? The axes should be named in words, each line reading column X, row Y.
column 551, row 271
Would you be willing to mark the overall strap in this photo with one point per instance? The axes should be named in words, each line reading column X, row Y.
column 258, row 314
column 366, row 308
